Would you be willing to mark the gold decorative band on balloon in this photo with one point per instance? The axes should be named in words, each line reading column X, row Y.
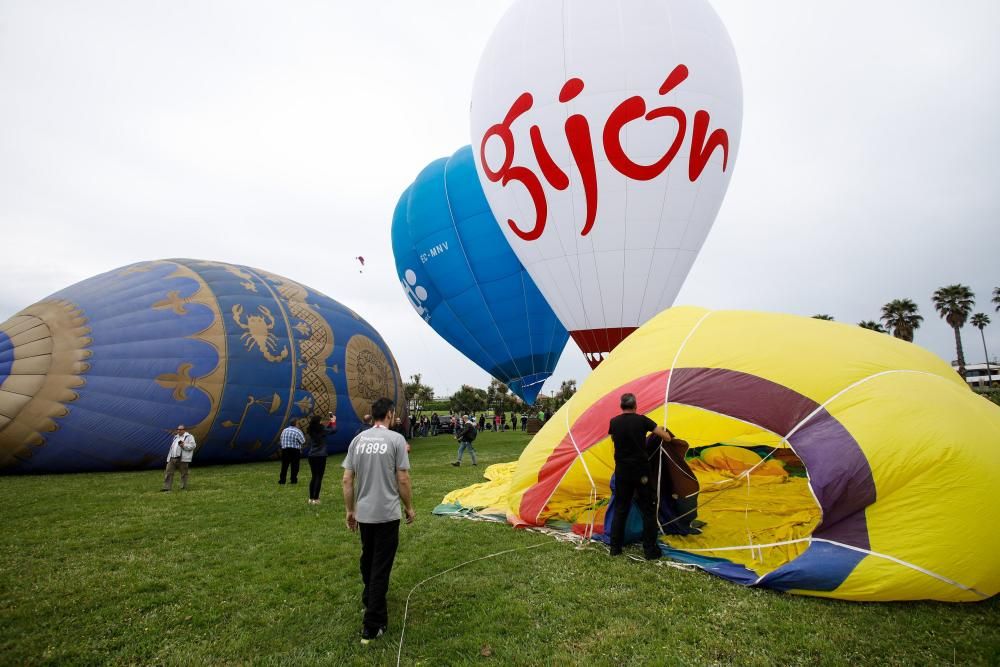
column 370, row 375
column 46, row 372
column 314, row 347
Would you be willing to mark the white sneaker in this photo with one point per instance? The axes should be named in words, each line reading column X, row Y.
column 367, row 637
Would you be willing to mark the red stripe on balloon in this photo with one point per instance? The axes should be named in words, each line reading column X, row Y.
column 590, row 428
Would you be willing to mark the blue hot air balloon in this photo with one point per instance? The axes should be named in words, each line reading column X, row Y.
column 95, row 376
column 461, row 276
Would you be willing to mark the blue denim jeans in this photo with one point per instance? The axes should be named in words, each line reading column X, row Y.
column 462, row 446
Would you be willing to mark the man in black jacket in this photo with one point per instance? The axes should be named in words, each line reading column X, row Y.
column 465, row 437
column 632, row 475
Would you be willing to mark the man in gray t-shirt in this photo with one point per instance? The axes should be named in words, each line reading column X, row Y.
column 376, row 479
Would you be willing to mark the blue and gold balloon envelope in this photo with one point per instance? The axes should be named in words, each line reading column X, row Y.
column 96, row 376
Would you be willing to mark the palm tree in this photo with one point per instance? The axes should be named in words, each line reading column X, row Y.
column 996, row 299
column 872, row 325
column 901, row 318
column 980, row 320
column 828, row 318
column 954, row 303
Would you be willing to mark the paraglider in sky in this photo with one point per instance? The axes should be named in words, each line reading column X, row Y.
column 831, row 460
column 361, row 260
column 462, row 278
column 96, row 376
column 605, row 152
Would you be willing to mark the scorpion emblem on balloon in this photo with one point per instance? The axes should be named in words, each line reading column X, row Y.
column 258, row 332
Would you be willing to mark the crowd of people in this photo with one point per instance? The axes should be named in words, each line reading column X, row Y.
column 423, row 426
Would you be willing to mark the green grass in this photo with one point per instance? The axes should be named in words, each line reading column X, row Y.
column 103, row 568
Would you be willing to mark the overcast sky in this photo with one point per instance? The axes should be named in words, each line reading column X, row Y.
column 280, row 135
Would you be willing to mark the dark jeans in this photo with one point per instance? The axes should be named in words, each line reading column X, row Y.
column 317, row 465
column 290, row 457
column 378, row 551
column 628, row 485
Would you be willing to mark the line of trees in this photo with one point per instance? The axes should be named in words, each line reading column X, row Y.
column 469, row 399
column 954, row 303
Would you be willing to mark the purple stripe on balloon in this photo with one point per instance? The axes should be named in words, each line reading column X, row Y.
column 838, row 470
column 840, row 477
column 740, row 395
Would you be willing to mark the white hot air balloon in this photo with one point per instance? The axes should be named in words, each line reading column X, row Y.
column 605, row 135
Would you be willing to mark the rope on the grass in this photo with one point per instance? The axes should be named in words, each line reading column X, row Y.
column 665, row 562
column 559, row 536
column 406, row 609
column 472, row 514
column 578, row 541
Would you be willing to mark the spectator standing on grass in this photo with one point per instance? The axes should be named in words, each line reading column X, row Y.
column 633, row 477
column 179, row 457
column 316, row 453
column 524, row 422
column 435, row 423
column 376, row 479
column 496, row 423
column 292, row 440
column 465, row 439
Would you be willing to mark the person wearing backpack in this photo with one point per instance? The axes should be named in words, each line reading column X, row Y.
column 465, row 438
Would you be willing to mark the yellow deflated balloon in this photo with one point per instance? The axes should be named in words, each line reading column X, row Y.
column 901, row 490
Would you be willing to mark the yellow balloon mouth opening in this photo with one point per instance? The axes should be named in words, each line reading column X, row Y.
column 754, row 503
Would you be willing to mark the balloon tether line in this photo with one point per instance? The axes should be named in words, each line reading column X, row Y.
column 406, row 608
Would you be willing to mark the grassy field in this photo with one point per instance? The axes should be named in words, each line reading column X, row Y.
column 105, row 569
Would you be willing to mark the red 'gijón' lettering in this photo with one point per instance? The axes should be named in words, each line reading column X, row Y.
column 701, row 150
column 578, row 135
column 632, row 109
column 527, row 178
column 577, row 130
column 506, row 173
column 550, row 170
column 502, row 130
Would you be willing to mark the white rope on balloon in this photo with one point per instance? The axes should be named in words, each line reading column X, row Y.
column 589, row 531
column 666, row 407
